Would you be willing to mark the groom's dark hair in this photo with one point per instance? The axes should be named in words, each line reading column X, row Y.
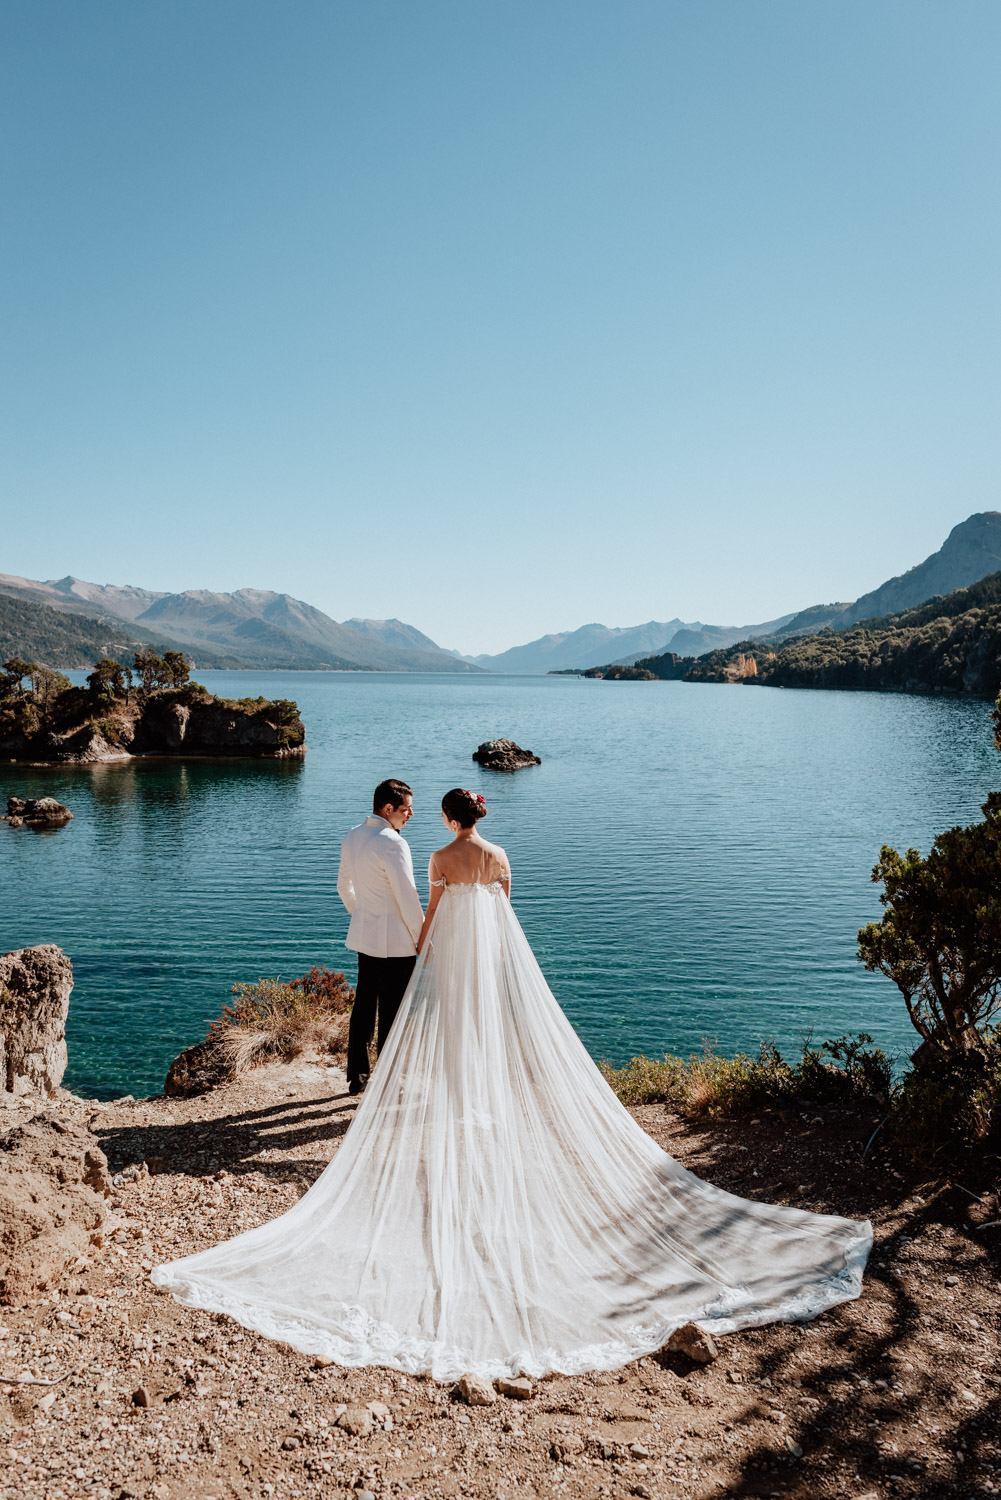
column 392, row 792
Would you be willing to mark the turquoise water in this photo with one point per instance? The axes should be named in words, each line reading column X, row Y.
column 690, row 861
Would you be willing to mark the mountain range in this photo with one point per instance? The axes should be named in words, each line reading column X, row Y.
column 66, row 621
column 247, row 628
column 970, row 552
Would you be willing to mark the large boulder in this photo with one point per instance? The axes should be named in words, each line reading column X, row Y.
column 35, row 987
column 53, row 1185
column 504, row 755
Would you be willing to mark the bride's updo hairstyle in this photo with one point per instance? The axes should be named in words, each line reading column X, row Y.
column 463, row 808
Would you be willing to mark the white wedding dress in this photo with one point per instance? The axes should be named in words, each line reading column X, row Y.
column 494, row 1209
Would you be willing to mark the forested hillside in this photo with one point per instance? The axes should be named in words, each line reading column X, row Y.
column 951, row 644
column 35, row 632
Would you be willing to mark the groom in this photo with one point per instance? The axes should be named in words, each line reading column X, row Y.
column 376, row 883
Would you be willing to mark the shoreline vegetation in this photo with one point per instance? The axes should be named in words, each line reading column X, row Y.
column 950, row 645
column 147, row 709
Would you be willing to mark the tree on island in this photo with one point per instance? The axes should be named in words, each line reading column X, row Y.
column 46, row 686
column 12, row 678
column 33, row 707
column 107, row 681
column 175, row 669
column 171, row 670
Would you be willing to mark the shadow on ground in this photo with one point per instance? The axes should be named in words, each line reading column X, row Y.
column 895, row 1394
column 236, row 1142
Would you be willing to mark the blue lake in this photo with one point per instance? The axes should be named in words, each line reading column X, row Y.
column 689, row 861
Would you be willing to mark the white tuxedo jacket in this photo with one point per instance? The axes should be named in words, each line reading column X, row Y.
column 376, row 883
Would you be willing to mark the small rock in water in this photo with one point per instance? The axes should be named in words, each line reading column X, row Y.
column 518, row 1388
column 504, row 755
column 692, row 1341
column 36, row 810
column 476, row 1391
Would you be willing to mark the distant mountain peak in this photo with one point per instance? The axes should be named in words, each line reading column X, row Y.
column 970, row 551
column 250, row 627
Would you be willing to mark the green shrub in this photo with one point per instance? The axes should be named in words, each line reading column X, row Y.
column 948, row 1107
column 939, row 938
column 708, row 1085
column 647, row 1080
column 108, row 730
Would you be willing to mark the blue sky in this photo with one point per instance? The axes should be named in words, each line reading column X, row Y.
column 499, row 318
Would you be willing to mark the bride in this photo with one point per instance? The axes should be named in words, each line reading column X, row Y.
column 493, row 1208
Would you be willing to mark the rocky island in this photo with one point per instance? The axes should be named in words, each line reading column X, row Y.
column 36, row 812
column 504, row 755
column 149, row 708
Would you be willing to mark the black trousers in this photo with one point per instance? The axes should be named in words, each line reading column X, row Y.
column 381, row 983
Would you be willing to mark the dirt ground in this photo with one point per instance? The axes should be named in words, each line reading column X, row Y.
column 895, row 1395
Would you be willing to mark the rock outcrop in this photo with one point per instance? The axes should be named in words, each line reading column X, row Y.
column 53, row 1185
column 35, row 987
column 182, row 721
column 196, row 1070
column 37, row 812
column 504, row 755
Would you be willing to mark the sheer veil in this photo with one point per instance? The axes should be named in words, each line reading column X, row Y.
column 494, row 1209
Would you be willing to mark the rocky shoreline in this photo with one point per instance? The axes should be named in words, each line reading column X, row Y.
column 110, row 1389
column 895, row 1395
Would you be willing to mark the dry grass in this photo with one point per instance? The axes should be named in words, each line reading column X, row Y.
column 707, row 1085
column 276, row 1019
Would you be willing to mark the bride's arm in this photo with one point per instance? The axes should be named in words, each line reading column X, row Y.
column 436, row 885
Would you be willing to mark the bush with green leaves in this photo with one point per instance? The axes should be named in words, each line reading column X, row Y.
column 939, row 939
column 947, row 1108
column 847, row 1068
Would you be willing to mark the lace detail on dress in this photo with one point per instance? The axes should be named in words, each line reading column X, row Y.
column 357, row 1338
column 477, row 885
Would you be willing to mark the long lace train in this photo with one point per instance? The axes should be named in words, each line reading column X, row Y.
column 494, row 1208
